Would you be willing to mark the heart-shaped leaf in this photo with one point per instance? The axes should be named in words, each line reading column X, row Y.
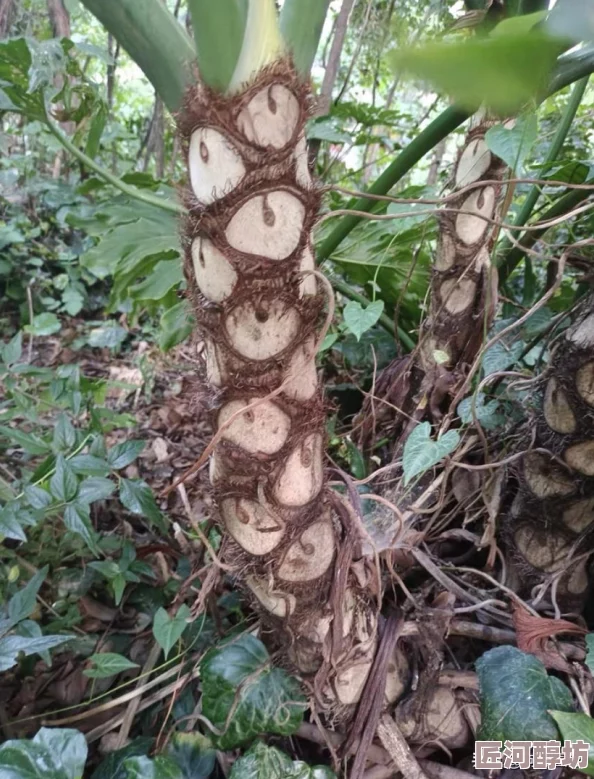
column 244, row 695
column 421, row 452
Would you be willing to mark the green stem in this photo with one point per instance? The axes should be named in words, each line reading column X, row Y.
column 563, row 205
column 435, row 132
column 554, row 150
column 571, row 68
column 301, row 24
column 133, row 192
column 384, row 319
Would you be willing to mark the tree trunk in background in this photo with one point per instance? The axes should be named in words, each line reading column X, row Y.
column 6, row 13
column 548, row 528
column 249, row 262
column 436, row 161
column 462, row 299
column 59, row 18
column 155, row 144
column 324, row 102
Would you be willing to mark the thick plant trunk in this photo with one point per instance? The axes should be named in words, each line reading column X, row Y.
column 462, row 299
column 548, row 528
column 260, row 309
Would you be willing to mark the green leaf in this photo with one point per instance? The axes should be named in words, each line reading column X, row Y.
column 154, row 39
column 54, row 753
column 64, row 434
column 508, row 71
column 37, row 497
column 77, row 518
column 263, row 762
column 121, row 455
column 168, row 630
column 577, row 727
column 118, row 585
column 145, row 768
column 64, row 483
column 138, row 498
column 164, row 276
column 30, row 443
column 358, row 319
column 12, row 351
column 193, row 753
column 301, row 24
column 89, row 465
column 22, row 603
column 421, row 452
column 12, row 646
column 239, row 682
column 516, row 694
column 95, row 488
column 513, row 141
column 402, row 224
column 73, row 300
column 572, row 19
column 176, row 325
column 44, row 324
column 108, row 337
column 12, row 521
column 112, row 766
column 30, row 629
column 107, row 664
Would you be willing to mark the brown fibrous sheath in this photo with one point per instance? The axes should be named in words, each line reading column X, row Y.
column 260, row 308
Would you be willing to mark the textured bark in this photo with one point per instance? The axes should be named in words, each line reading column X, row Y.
column 249, row 261
column 7, row 8
column 549, row 526
column 59, row 18
column 462, row 300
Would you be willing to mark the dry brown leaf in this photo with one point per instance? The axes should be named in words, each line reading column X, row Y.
column 533, row 634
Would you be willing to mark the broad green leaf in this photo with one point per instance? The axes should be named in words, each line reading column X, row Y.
column 32, row 444
column 572, row 19
column 64, row 483
column 239, row 683
column 154, row 39
column 577, row 727
column 30, row 629
column 590, row 653
column 508, row 71
column 89, row 465
column 12, row 646
column 516, row 695
column 73, row 300
column 110, row 336
column 22, row 603
column 421, row 452
column 487, row 414
column 37, row 497
column 176, row 325
column 94, row 488
column 77, row 518
column 112, row 766
column 164, row 276
column 402, row 224
column 107, row 664
column 138, row 498
column 502, row 356
column 44, row 324
column 12, row 521
column 513, row 141
column 193, row 753
column 64, row 434
column 54, row 753
column 121, row 455
column 168, row 630
column 263, row 762
column 12, row 351
column 145, row 768
column 358, row 319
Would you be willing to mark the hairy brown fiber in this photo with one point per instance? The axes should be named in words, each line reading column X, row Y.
column 550, row 526
column 249, row 264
